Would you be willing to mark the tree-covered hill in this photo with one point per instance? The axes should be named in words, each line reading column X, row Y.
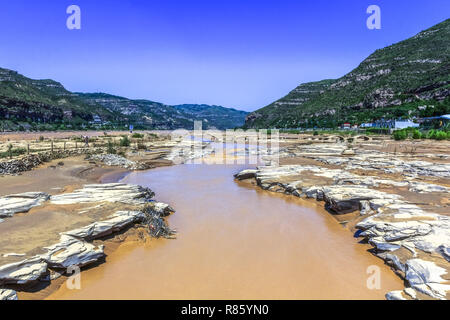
column 410, row 78
column 27, row 104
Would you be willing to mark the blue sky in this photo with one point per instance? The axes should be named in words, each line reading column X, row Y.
column 236, row 53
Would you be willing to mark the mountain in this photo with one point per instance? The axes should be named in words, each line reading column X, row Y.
column 41, row 101
column 147, row 113
column 407, row 79
column 27, row 104
column 217, row 116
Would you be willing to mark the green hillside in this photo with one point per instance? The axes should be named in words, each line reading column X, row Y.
column 27, row 104
column 31, row 103
column 392, row 82
column 150, row 114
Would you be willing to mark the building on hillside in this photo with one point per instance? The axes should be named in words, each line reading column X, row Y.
column 367, row 125
column 400, row 124
column 346, row 126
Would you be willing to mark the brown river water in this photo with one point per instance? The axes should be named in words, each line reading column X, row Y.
column 235, row 242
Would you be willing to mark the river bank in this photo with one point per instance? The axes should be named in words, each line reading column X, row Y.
column 76, row 224
column 395, row 196
column 67, row 212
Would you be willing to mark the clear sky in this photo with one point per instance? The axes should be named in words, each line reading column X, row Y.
column 236, row 53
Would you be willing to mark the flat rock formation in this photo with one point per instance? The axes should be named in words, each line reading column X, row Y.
column 113, row 192
column 6, row 294
column 398, row 203
column 17, row 203
column 41, row 256
column 118, row 161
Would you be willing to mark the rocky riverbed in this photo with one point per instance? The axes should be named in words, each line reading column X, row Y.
column 32, row 252
column 54, row 215
column 68, row 222
column 398, row 202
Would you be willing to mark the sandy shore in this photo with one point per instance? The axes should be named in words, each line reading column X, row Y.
column 40, row 227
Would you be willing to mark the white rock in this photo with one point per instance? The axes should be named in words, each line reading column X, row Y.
column 17, row 203
column 13, row 254
column 395, row 295
column 113, row 192
column 23, row 272
column 72, row 252
column 348, row 152
column 444, row 249
column 425, row 276
column 115, row 160
column 426, row 187
column 6, row 294
column 410, row 292
column 114, row 223
column 161, row 208
column 246, row 174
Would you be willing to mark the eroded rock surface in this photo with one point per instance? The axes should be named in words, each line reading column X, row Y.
column 18, row 203
column 115, row 223
column 118, row 161
column 161, row 208
column 23, row 272
column 409, row 236
column 76, row 246
column 71, row 251
column 6, row 294
column 112, row 192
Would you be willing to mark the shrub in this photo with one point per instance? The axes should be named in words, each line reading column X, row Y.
column 125, row 142
column 400, row 135
column 137, row 136
column 10, row 146
column 431, row 134
column 417, row 134
column 13, row 152
column 110, row 148
column 441, row 135
column 141, row 146
column 316, row 133
column 377, row 131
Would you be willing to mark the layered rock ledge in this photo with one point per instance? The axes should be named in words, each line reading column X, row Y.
column 389, row 201
column 111, row 208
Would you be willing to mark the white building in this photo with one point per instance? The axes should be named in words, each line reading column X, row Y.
column 402, row 124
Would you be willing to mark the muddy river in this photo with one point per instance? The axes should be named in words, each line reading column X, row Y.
column 236, row 242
